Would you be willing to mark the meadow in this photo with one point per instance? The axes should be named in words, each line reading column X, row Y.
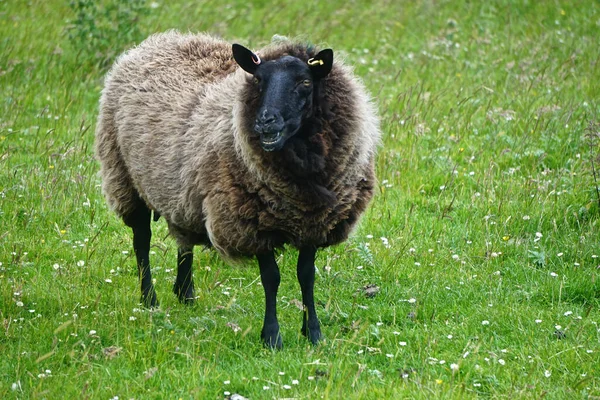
column 474, row 272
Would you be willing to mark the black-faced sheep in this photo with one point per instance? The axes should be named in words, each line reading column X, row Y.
column 244, row 159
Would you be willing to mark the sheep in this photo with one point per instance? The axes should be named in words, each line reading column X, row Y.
column 241, row 151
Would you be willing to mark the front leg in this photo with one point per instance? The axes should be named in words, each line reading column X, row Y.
column 306, row 276
column 270, row 278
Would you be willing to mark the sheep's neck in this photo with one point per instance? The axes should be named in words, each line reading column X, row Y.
column 303, row 162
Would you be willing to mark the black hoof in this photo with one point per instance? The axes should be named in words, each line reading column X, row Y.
column 271, row 338
column 185, row 295
column 313, row 333
column 149, row 300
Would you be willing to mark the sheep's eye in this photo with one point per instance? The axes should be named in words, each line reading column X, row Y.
column 306, row 82
column 256, row 80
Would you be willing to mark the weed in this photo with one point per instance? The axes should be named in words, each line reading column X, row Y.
column 103, row 29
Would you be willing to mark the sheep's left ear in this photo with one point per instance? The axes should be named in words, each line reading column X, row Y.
column 320, row 65
column 245, row 58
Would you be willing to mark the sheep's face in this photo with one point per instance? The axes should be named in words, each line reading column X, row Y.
column 285, row 87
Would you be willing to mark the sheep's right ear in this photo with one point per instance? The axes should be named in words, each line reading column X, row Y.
column 245, row 58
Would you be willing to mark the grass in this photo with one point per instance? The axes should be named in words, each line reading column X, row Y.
column 488, row 280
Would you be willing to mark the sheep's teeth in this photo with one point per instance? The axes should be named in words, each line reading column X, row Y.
column 274, row 140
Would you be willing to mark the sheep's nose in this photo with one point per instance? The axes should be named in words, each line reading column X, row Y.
column 266, row 118
column 267, row 121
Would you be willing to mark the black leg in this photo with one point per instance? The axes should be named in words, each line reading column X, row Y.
column 139, row 221
column 184, row 283
column 269, row 275
column 306, row 276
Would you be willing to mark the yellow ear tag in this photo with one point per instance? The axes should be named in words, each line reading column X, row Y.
column 312, row 62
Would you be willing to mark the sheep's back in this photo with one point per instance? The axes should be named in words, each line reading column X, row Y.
column 151, row 95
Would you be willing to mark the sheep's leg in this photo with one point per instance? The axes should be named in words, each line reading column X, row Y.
column 139, row 221
column 184, row 283
column 269, row 275
column 306, row 276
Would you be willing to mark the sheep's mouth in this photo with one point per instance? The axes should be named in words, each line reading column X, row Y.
column 271, row 141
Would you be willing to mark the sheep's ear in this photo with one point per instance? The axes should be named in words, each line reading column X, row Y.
column 320, row 65
column 245, row 58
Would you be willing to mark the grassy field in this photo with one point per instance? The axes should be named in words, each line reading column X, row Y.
column 482, row 238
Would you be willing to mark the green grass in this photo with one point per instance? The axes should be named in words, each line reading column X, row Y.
column 486, row 197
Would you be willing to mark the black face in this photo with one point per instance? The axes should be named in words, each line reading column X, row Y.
column 285, row 87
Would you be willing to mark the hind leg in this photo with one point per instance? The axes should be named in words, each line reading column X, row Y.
column 139, row 221
column 184, row 284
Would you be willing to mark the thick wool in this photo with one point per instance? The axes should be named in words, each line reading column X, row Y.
column 175, row 132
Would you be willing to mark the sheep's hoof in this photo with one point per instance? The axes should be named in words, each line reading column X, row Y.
column 149, row 300
column 186, row 296
column 271, row 338
column 313, row 333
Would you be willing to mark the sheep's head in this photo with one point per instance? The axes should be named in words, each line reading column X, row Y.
column 285, row 87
